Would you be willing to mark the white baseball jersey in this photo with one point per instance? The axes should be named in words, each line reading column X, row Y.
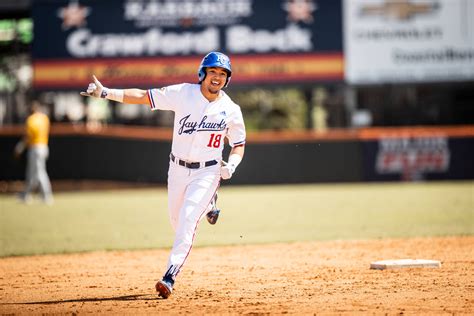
column 199, row 125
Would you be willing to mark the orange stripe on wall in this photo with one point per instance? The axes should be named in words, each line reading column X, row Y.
column 158, row 133
column 160, row 71
column 417, row 131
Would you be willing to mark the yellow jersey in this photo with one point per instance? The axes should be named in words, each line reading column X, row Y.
column 37, row 129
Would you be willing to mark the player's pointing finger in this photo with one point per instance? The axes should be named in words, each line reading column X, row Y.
column 96, row 81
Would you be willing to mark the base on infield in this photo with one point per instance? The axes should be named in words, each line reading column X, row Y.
column 405, row 263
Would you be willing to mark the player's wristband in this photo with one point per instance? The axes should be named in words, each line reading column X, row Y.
column 234, row 161
column 112, row 94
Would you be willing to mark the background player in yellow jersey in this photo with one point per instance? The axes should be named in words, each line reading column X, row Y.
column 36, row 140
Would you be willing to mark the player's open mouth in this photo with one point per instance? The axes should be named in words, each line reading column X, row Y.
column 215, row 83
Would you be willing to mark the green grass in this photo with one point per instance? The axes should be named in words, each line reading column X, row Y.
column 138, row 219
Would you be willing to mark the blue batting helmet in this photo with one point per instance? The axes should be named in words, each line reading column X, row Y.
column 215, row 59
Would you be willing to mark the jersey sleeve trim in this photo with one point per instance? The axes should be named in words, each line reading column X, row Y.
column 150, row 98
column 239, row 143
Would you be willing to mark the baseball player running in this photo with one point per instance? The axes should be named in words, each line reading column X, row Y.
column 204, row 116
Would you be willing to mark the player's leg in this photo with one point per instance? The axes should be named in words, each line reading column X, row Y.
column 31, row 175
column 212, row 213
column 43, row 179
column 197, row 197
column 178, row 178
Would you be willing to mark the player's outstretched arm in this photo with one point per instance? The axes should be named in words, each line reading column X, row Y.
column 131, row 96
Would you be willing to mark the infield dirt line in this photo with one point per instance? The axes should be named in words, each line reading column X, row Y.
column 298, row 278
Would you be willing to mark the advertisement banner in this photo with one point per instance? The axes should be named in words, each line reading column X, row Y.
column 387, row 41
column 416, row 155
column 148, row 41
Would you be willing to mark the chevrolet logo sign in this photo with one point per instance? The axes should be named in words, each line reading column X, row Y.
column 399, row 9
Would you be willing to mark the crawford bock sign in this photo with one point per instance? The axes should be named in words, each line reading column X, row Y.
column 388, row 41
column 164, row 40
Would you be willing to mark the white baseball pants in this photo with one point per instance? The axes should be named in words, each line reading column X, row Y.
column 190, row 192
column 36, row 173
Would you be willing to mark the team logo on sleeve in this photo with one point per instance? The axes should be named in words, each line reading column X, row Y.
column 188, row 127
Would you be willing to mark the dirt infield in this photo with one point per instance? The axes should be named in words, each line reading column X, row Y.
column 296, row 278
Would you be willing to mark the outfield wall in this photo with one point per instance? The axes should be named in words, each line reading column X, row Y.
column 140, row 154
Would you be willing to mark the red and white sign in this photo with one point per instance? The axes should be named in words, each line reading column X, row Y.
column 412, row 157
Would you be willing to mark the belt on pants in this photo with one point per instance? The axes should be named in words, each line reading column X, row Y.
column 192, row 165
